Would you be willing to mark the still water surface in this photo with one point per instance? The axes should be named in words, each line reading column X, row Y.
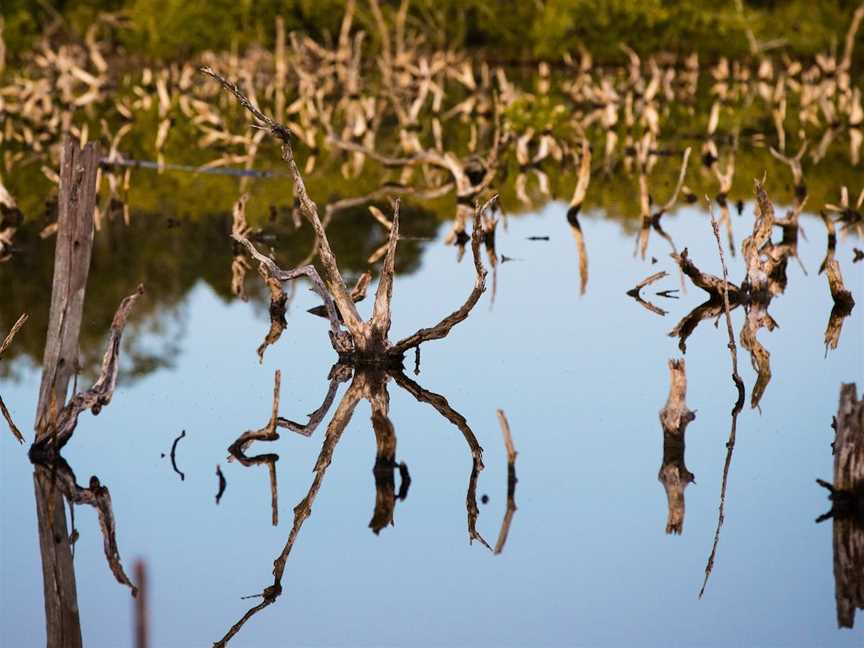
column 581, row 378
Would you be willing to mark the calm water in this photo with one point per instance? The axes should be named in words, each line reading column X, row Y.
column 581, row 379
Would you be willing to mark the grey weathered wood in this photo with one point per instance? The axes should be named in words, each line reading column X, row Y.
column 71, row 266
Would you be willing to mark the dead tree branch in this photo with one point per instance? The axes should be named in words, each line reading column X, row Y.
column 55, row 433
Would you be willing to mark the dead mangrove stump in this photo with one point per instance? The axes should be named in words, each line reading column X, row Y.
column 674, row 419
column 847, row 506
column 364, row 343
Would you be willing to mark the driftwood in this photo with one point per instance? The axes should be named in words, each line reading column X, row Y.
column 847, row 510
column 674, row 419
column 364, row 343
column 3, row 346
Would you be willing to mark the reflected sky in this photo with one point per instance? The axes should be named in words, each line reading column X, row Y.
column 582, row 378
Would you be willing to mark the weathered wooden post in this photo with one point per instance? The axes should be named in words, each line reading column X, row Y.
column 77, row 201
column 71, row 267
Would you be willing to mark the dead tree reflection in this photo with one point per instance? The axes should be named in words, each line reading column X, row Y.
column 237, row 450
column 847, row 506
column 511, row 482
column 370, row 384
column 674, row 419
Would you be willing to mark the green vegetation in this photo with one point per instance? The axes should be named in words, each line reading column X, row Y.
column 175, row 29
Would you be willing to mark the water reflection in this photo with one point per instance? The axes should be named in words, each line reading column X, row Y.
column 371, row 385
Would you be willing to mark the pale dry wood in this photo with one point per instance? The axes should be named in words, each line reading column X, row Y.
column 441, row 329
column 76, row 203
column 335, row 282
column 3, row 346
column 13, row 332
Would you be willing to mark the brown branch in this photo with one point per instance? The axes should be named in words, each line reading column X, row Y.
column 714, row 286
column 380, row 322
column 54, row 434
column 335, row 282
column 736, row 409
column 12, row 333
column 443, row 327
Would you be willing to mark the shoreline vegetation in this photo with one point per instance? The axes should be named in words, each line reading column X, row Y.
column 172, row 30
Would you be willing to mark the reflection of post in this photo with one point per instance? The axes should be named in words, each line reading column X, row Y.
column 674, row 417
column 848, row 507
column 63, row 625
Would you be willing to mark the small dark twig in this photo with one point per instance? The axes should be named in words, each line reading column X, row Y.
column 174, row 455
column 222, row 483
